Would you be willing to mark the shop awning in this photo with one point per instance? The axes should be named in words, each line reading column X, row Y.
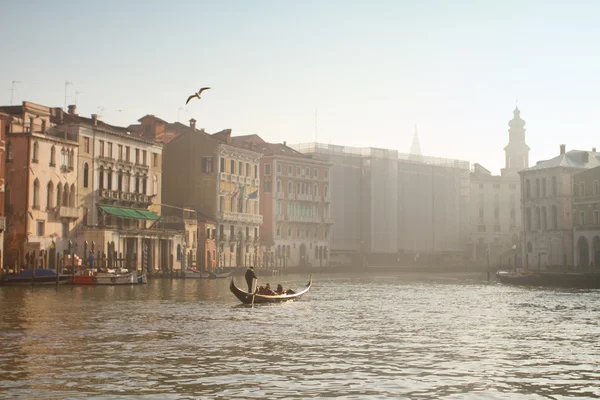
column 130, row 213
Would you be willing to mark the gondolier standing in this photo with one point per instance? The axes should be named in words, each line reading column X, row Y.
column 250, row 277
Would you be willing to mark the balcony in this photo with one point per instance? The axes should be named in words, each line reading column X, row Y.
column 317, row 198
column 224, row 177
column 280, row 195
column 68, row 212
column 304, row 197
column 280, row 218
column 118, row 195
column 222, row 238
column 249, row 180
column 143, row 167
column 327, row 198
column 328, row 220
column 234, row 178
column 256, row 182
column 291, row 196
column 65, row 168
column 304, row 219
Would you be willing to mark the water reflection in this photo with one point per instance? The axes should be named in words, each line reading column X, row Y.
column 388, row 336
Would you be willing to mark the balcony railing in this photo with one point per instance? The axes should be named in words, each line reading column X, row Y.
column 239, row 217
column 304, row 197
column 291, row 196
column 256, row 182
column 224, row 176
column 280, row 218
column 327, row 198
column 119, row 195
column 328, row 220
column 280, row 195
column 222, row 238
column 317, row 198
column 68, row 212
column 304, row 219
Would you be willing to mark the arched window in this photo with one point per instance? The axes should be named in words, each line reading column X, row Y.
column 290, row 187
column 127, row 182
column 58, row 194
column 109, row 179
column 178, row 252
column 137, row 183
column 62, row 157
column 35, row 152
column 527, row 189
column 65, row 200
column 101, row 178
column 52, row 156
column 36, row 194
column 155, row 185
column 86, row 171
column 72, row 159
column 50, row 195
column 72, row 196
column 9, row 155
column 278, row 186
column 326, row 190
column 529, row 247
column 145, row 184
column 120, row 180
column 316, row 189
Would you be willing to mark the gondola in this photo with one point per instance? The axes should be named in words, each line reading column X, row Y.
column 521, row 277
column 246, row 297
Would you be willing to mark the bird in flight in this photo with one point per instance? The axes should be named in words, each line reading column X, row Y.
column 196, row 94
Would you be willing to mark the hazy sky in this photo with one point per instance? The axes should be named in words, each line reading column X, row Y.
column 372, row 71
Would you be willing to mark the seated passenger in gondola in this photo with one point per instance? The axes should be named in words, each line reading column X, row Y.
column 279, row 289
column 266, row 290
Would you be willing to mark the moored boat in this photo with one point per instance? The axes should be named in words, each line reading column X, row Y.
column 109, row 278
column 249, row 298
column 193, row 273
column 39, row 276
column 517, row 277
column 219, row 274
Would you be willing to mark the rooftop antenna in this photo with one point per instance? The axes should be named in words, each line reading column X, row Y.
column 12, row 90
column 67, row 83
column 77, row 93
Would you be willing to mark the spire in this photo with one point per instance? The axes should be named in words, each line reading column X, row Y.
column 415, row 147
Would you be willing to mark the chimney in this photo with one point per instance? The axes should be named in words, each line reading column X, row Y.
column 593, row 149
column 95, row 119
column 563, row 148
column 284, row 143
column 193, row 124
column 72, row 109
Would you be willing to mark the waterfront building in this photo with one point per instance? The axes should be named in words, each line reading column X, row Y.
column 119, row 190
column 4, row 118
column 495, row 212
column 392, row 207
column 295, row 205
column 41, row 185
column 586, row 214
column 547, row 194
column 218, row 179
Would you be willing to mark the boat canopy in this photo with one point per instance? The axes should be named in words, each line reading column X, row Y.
column 130, row 213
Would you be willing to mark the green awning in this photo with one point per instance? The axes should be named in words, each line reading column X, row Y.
column 130, row 213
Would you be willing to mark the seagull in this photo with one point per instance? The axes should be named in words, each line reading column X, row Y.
column 196, row 94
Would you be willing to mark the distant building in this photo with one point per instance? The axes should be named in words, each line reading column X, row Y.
column 295, row 205
column 495, row 212
column 586, row 214
column 216, row 178
column 392, row 208
column 547, row 201
column 41, row 185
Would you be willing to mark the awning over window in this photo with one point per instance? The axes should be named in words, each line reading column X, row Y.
column 130, row 213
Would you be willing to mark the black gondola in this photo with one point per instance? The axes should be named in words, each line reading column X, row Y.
column 247, row 298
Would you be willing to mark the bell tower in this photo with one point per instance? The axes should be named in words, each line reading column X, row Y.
column 516, row 151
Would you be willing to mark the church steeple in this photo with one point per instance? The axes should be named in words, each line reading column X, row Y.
column 415, row 148
column 517, row 151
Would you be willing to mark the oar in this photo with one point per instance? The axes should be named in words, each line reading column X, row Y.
column 254, row 291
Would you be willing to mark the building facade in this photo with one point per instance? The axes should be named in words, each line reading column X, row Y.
column 547, row 193
column 586, row 214
column 119, row 191
column 216, row 178
column 4, row 120
column 495, row 212
column 41, row 185
column 393, row 208
column 295, row 205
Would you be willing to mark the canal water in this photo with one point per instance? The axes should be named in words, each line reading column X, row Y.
column 389, row 336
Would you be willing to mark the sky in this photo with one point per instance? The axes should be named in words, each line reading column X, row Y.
column 355, row 73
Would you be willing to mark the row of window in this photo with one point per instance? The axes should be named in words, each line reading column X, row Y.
column 511, row 186
column 541, row 219
column 596, row 215
column 239, row 205
column 123, row 152
column 232, row 232
column 581, row 188
column 540, row 187
column 65, row 195
column 302, row 209
column 497, row 212
column 482, row 228
column 300, row 171
column 300, row 233
column 301, row 188
column 240, row 170
column 123, row 180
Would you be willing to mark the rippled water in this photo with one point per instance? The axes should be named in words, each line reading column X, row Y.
column 385, row 336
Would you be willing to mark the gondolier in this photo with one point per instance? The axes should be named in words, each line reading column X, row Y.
column 250, row 277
